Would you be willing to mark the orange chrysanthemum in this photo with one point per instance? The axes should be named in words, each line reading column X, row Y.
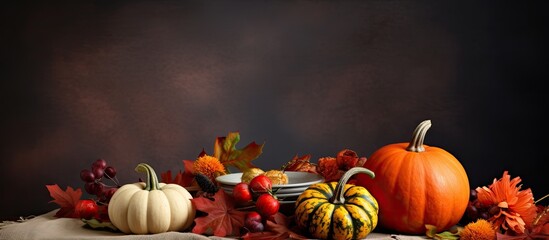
column 516, row 207
column 209, row 166
column 479, row 230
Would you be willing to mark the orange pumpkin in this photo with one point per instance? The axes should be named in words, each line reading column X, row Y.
column 417, row 184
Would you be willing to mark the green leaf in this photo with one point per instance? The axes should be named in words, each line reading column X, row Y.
column 225, row 150
column 432, row 232
column 96, row 224
column 447, row 236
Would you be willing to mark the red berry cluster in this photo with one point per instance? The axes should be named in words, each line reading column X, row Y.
column 476, row 210
column 94, row 184
column 260, row 190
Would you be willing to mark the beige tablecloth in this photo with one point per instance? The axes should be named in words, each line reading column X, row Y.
column 47, row 226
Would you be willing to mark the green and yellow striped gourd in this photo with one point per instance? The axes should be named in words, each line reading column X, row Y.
column 338, row 210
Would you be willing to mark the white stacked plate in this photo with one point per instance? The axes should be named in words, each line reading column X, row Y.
column 298, row 182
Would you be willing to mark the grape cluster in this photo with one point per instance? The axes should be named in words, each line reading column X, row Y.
column 476, row 210
column 94, row 184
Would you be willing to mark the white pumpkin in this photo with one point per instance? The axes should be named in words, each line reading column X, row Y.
column 151, row 207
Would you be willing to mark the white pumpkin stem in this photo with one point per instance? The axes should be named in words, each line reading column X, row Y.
column 152, row 179
column 340, row 187
column 416, row 145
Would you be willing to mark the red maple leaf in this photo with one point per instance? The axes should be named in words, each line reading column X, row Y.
column 65, row 199
column 222, row 218
column 184, row 179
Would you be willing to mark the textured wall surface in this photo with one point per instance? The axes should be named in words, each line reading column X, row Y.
column 158, row 81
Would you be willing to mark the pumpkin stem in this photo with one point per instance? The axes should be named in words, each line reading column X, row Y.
column 416, row 145
column 152, row 179
column 339, row 194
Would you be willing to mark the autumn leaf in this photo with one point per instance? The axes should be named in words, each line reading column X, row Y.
column 300, row 164
column 225, row 150
column 277, row 227
column 540, row 226
column 221, row 219
column 95, row 223
column 184, row 179
column 451, row 234
column 65, row 199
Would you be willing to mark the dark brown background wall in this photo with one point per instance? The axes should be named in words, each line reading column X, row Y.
column 157, row 81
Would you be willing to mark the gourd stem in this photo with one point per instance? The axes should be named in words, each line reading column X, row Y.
column 340, row 187
column 152, row 179
column 416, row 145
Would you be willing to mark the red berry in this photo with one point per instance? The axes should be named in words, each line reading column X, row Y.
column 99, row 163
column 99, row 188
column 241, row 193
column 267, row 205
column 87, row 176
column 98, row 172
column 254, row 226
column 110, row 171
column 253, row 216
column 253, row 222
column 90, row 187
column 261, row 184
column 86, row 209
column 110, row 192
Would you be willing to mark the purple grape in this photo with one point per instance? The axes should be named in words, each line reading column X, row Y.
column 99, row 163
column 87, row 176
column 110, row 171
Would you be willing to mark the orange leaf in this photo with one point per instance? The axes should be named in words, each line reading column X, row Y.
column 225, row 150
column 65, row 199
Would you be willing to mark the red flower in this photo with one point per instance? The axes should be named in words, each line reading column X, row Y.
column 346, row 159
column 516, row 208
column 328, row 168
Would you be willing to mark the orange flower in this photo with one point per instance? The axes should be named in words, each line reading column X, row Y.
column 479, row 230
column 515, row 208
column 209, row 166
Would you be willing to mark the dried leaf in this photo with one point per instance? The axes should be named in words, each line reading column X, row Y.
column 500, row 236
column 540, row 225
column 65, row 199
column 300, row 164
column 225, row 150
column 222, row 219
column 431, row 230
